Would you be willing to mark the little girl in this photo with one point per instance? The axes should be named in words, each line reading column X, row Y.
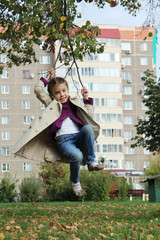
column 66, row 130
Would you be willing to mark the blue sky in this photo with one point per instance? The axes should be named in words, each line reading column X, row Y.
column 116, row 15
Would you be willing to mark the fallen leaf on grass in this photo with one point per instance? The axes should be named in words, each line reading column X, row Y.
column 1, row 236
column 8, row 228
column 103, row 236
column 74, row 237
column 23, row 238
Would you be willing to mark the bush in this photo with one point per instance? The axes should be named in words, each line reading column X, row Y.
column 7, row 190
column 122, row 188
column 30, row 189
column 57, row 185
column 96, row 185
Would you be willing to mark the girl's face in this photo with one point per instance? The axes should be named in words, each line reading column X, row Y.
column 60, row 92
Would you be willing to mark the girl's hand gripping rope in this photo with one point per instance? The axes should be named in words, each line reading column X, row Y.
column 84, row 93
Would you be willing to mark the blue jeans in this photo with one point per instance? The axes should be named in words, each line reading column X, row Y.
column 71, row 146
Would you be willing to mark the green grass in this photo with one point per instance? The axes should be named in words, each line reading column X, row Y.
column 80, row 221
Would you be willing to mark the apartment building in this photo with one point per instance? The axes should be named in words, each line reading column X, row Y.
column 113, row 80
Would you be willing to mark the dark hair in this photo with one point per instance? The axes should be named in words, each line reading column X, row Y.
column 55, row 81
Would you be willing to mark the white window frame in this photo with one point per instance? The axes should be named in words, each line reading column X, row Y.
column 44, row 59
column 26, row 104
column 127, row 90
column 4, row 58
column 26, row 89
column 5, row 120
column 5, row 74
column 26, row 119
column 144, row 61
column 143, row 46
column 26, row 167
column 5, row 89
column 5, row 136
column 128, row 119
column 126, row 61
column 128, row 105
column 5, row 167
column 5, row 104
column 5, row 151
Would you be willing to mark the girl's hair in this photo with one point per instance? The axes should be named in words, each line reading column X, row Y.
column 55, row 81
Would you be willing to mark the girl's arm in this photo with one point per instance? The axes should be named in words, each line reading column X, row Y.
column 40, row 92
column 88, row 102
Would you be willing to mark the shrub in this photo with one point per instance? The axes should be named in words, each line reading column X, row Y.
column 57, row 185
column 30, row 189
column 7, row 190
column 122, row 188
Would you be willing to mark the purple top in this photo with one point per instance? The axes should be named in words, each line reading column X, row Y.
column 68, row 110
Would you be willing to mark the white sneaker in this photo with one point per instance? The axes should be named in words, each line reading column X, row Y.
column 77, row 189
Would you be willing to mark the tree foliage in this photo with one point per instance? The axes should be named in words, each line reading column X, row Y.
column 25, row 23
column 154, row 167
column 148, row 129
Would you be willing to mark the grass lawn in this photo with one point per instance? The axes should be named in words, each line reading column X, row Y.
column 134, row 220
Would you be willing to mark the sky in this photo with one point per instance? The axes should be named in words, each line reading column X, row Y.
column 116, row 15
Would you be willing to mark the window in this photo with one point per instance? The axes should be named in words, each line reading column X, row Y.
column 126, row 61
column 110, row 87
column 128, row 150
column 43, row 74
column 111, row 164
column 45, row 59
column 96, row 102
column 110, row 102
column 5, row 104
column 127, row 90
column 5, row 74
column 112, row 148
column 27, row 167
column 126, row 46
column 25, row 104
column 129, row 165
column 26, row 120
column 5, row 136
column 146, row 151
column 25, row 89
column 5, row 120
column 4, row 58
column 97, row 117
column 146, row 164
column 128, row 135
column 110, row 42
column 111, row 133
column 26, row 74
column 92, row 57
column 4, row 43
column 143, row 46
column 97, row 148
column 110, row 117
column 5, row 151
column 126, row 76
column 127, row 105
column 144, row 106
column 109, row 57
column 5, row 167
column 144, row 61
column 128, row 120
column 5, row 89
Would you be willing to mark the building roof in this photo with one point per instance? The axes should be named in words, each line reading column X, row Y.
column 150, row 178
column 109, row 33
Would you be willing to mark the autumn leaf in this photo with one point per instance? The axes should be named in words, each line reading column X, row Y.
column 63, row 19
column 1, row 236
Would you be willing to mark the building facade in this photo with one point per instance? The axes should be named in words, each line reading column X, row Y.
column 113, row 80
